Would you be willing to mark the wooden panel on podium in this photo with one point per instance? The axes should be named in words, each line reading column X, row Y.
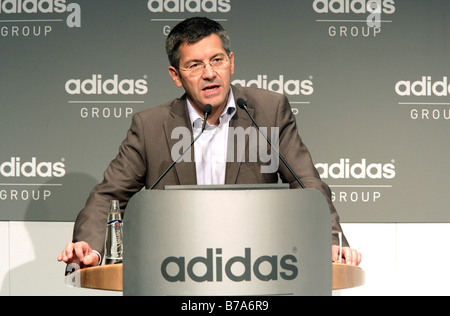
column 109, row 277
column 346, row 276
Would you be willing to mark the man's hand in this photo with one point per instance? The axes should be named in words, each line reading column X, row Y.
column 79, row 253
column 349, row 256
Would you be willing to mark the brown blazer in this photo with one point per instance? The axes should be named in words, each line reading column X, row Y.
column 146, row 153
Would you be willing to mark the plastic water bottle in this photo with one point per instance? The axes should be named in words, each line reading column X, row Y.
column 113, row 240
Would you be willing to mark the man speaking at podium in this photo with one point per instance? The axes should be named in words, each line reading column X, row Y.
column 201, row 62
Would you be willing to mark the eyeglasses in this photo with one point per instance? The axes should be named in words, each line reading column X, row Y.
column 196, row 68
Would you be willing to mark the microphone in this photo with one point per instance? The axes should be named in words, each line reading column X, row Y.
column 206, row 112
column 243, row 105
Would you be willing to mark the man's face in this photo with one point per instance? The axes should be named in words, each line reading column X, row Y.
column 211, row 86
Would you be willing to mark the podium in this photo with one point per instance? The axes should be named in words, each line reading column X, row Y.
column 225, row 242
column 228, row 240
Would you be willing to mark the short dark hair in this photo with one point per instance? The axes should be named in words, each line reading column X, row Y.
column 191, row 31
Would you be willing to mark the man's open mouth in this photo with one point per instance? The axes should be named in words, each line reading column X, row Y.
column 211, row 88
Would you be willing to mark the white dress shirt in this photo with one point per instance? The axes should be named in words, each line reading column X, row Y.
column 211, row 147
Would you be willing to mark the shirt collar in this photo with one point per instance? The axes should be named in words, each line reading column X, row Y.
column 230, row 110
